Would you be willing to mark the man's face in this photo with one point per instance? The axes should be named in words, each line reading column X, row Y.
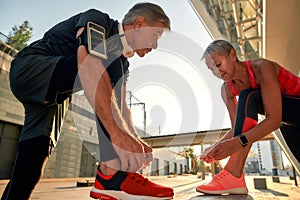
column 144, row 36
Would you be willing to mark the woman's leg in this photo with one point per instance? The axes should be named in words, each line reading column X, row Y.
column 249, row 106
column 290, row 128
column 291, row 136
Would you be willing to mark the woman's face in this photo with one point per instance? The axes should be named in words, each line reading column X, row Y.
column 221, row 65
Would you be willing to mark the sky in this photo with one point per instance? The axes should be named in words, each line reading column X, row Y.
column 179, row 92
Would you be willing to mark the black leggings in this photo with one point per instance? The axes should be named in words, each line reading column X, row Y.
column 250, row 105
column 28, row 166
column 33, row 153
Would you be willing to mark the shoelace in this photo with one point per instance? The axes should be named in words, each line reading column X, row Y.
column 198, row 156
column 220, row 176
column 139, row 179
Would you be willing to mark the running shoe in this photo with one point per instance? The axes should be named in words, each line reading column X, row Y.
column 224, row 183
column 128, row 186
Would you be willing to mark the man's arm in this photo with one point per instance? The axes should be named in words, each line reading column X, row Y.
column 96, row 83
column 126, row 113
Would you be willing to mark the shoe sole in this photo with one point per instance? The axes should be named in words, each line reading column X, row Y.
column 120, row 195
column 229, row 191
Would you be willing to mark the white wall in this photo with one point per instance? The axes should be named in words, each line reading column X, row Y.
column 166, row 155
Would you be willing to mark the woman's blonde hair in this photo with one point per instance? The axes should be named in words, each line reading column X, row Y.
column 222, row 47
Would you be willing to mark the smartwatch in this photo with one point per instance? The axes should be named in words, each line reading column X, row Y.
column 243, row 140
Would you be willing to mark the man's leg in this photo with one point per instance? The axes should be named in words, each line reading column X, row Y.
column 31, row 156
column 111, row 183
column 63, row 80
column 110, row 162
column 42, row 122
column 33, row 150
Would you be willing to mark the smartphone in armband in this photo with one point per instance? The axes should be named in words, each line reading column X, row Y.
column 96, row 40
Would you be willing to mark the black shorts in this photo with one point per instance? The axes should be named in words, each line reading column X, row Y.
column 64, row 80
column 35, row 77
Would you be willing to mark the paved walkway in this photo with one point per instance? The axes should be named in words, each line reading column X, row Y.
column 184, row 187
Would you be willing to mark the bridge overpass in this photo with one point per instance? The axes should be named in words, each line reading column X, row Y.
column 190, row 139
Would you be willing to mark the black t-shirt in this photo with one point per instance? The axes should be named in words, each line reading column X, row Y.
column 61, row 40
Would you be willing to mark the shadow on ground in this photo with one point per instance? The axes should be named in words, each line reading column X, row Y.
column 222, row 197
column 275, row 193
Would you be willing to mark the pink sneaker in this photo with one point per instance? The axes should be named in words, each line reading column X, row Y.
column 223, row 183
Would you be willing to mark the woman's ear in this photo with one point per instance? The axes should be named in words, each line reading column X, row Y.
column 232, row 55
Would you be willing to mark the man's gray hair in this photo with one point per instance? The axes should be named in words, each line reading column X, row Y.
column 152, row 12
column 218, row 46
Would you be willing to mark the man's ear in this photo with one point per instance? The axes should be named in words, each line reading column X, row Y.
column 139, row 21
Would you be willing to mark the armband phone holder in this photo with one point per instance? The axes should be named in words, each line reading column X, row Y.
column 96, row 40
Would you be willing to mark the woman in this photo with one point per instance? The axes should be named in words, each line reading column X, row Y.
column 263, row 87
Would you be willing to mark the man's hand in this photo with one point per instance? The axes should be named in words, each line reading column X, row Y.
column 148, row 153
column 130, row 151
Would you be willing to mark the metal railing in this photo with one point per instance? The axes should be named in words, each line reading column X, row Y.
column 5, row 47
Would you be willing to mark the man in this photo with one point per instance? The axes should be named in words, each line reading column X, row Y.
column 43, row 77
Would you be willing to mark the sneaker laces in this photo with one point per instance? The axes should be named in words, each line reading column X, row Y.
column 139, row 179
column 136, row 184
column 198, row 156
column 220, row 176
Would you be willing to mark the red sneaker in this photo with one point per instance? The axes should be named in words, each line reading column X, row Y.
column 131, row 186
column 224, row 182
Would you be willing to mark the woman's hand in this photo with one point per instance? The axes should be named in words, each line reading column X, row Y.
column 221, row 150
column 205, row 155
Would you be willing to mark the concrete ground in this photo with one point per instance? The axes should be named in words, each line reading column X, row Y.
column 184, row 187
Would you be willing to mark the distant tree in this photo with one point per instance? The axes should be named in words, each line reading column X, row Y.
column 20, row 35
column 188, row 152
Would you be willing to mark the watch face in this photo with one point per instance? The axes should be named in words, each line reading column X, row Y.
column 243, row 140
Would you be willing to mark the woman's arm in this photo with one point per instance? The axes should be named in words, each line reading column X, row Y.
column 231, row 105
